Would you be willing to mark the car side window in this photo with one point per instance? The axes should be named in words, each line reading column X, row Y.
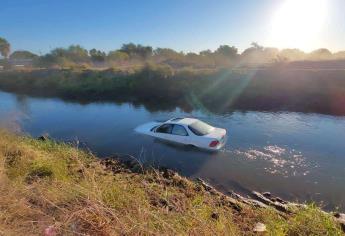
column 166, row 129
column 179, row 130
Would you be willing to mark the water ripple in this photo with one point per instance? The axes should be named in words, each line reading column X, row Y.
column 278, row 160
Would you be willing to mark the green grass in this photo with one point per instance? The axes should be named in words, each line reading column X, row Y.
column 44, row 183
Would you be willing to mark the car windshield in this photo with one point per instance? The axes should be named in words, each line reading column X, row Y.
column 165, row 128
column 200, row 128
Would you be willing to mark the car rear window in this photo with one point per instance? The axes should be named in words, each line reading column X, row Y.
column 176, row 119
column 200, row 128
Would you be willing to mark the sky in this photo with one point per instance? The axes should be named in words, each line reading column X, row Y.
column 184, row 25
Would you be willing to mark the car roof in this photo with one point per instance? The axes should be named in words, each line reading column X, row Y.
column 182, row 121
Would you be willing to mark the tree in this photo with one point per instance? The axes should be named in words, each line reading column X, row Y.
column 206, row 53
column 292, row 54
column 65, row 57
column 5, row 47
column 165, row 53
column 168, row 56
column 258, row 54
column 138, row 50
column 97, row 55
column 129, row 48
column 270, row 54
column 320, row 54
column 339, row 55
column 77, row 53
column 46, row 60
column 225, row 55
column 227, row 51
column 254, row 49
column 192, row 57
column 257, row 46
column 117, row 55
column 144, row 51
column 74, row 53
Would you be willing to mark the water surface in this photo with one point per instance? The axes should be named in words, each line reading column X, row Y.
column 294, row 155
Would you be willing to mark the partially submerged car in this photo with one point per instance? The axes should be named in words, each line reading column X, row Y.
column 188, row 131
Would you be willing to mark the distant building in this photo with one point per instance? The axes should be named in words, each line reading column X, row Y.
column 21, row 63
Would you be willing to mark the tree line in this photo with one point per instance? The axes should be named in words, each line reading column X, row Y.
column 216, row 91
column 136, row 54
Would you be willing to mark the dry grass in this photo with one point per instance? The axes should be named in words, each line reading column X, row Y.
column 46, row 184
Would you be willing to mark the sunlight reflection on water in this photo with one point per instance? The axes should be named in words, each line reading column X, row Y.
column 278, row 160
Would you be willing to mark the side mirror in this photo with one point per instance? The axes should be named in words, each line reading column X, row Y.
column 154, row 129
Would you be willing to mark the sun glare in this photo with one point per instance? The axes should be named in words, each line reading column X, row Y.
column 298, row 23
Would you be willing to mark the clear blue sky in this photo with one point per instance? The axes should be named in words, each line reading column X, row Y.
column 188, row 25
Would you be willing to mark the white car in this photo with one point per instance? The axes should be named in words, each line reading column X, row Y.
column 188, row 131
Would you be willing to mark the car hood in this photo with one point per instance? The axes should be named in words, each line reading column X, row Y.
column 146, row 128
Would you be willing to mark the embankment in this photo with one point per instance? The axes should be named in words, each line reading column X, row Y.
column 272, row 89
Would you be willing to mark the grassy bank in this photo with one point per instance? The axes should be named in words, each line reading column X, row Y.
column 272, row 89
column 58, row 188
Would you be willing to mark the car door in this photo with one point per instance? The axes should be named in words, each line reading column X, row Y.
column 164, row 131
column 179, row 134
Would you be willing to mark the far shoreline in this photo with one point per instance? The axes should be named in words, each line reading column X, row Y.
column 218, row 92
